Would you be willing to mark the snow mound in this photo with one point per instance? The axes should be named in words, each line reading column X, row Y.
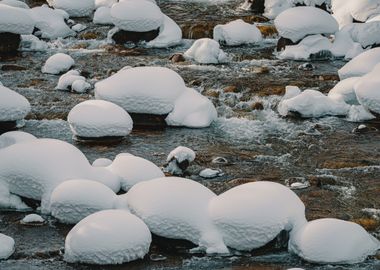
column 58, row 63
column 177, row 208
column 274, row 7
column 344, row 91
column 7, row 246
column 296, row 23
column 206, row 51
column 179, row 159
column 15, row 3
column 102, row 162
column 192, row 110
column 364, row 33
column 344, row 46
column 251, row 215
column 13, row 137
column 108, row 237
column 99, row 118
column 67, row 80
column 358, row 113
column 74, row 8
column 10, row 201
column 151, row 90
column 76, row 199
column 364, row 9
column 46, row 163
column 32, row 218
column 13, row 106
column 103, row 16
column 16, row 20
column 312, row 103
column 51, row 23
column 104, row 3
column 332, row 241
column 237, row 33
column 367, row 90
column 137, row 16
column 132, row 170
column 361, row 64
column 170, row 35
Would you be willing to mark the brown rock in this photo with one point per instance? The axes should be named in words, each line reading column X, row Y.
column 12, row 67
column 89, row 35
column 121, row 37
column 257, row 6
column 258, row 106
column 9, row 43
column 6, row 126
column 283, row 42
column 212, row 93
column 177, row 57
column 199, row 30
column 231, row 89
column 268, row 30
column 370, row 224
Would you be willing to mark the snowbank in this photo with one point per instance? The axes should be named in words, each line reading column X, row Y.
column 99, row 118
column 151, row 90
column 74, row 8
column 58, row 63
column 13, row 106
column 237, row 33
column 177, row 208
column 7, row 246
column 206, row 51
column 16, row 20
column 108, row 237
column 76, row 199
column 170, row 35
column 251, row 215
column 132, row 170
column 361, row 64
column 13, row 137
column 332, row 241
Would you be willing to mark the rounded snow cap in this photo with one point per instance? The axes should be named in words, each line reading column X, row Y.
column 13, row 106
column 15, row 20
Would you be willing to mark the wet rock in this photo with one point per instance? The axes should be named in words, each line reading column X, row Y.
column 9, row 42
column 320, row 181
column 268, row 30
column 148, row 121
column 177, row 58
column 121, row 37
column 88, row 35
column 220, row 160
column 370, row 224
column 12, row 67
column 321, row 56
column 231, row 89
column 99, row 140
column 306, row 67
column 283, row 42
column 361, row 129
column 258, row 106
column 212, row 93
column 260, row 70
column 198, row 30
column 6, row 126
column 256, row 6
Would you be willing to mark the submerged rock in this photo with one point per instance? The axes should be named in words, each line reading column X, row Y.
column 121, row 37
column 9, row 42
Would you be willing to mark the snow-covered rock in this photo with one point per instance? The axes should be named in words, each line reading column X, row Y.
column 76, row 199
column 15, row 3
column 108, row 237
column 32, row 43
column 332, row 241
column 132, row 170
column 251, row 215
column 16, row 20
column 67, row 80
column 58, row 63
column 341, row 11
column 296, row 23
column 364, row 33
column 151, row 90
column 209, row 173
column 13, row 137
column 99, row 118
column 80, row 86
column 177, row 208
column 46, row 163
column 312, row 103
column 358, row 113
column 206, row 51
column 79, row 27
column 74, row 8
column 274, row 7
column 344, row 46
column 7, row 246
column 179, row 159
column 32, row 218
column 13, row 106
column 237, row 33
column 344, row 91
column 170, row 35
column 367, row 90
column 10, row 201
column 192, row 110
column 103, row 15
column 137, row 16
column 104, row 3
column 102, row 162
column 364, row 9
column 51, row 23
column 361, row 64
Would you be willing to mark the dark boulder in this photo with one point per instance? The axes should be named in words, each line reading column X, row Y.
column 283, row 42
column 6, row 126
column 122, row 36
column 257, row 6
column 177, row 57
column 9, row 42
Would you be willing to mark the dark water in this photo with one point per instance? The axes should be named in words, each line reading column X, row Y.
column 342, row 167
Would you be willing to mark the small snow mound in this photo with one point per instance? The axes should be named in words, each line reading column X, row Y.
column 108, row 237
column 13, row 106
column 206, row 51
column 237, row 33
column 58, row 63
column 32, row 218
column 7, row 246
column 179, row 159
column 67, row 80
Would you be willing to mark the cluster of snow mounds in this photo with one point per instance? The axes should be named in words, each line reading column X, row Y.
column 58, row 63
column 72, row 80
column 237, row 33
column 99, row 118
column 13, row 137
column 76, row 199
column 251, row 215
column 7, row 246
column 16, row 20
column 332, row 241
column 206, row 51
column 46, row 163
column 13, row 106
column 160, row 203
column 108, row 237
column 179, row 159
column 132, row 170
column 74, row 8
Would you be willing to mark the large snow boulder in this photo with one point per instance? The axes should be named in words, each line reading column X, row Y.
column 74, row 8
column 46, row 163
column 251, row 215
column 99, row 118
column 58, row 63
column 237, row 33
column 132, row 170
column 361, row 64
column 108, row 237
column 296, row 23
column 206, row 51
column 13, row 137
column 73, row 200
column 177, row 208
column 192, row 110
column 7, row 246
column 332, row 241
column 13, row 106
column 344, row 90
column 149, row 90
